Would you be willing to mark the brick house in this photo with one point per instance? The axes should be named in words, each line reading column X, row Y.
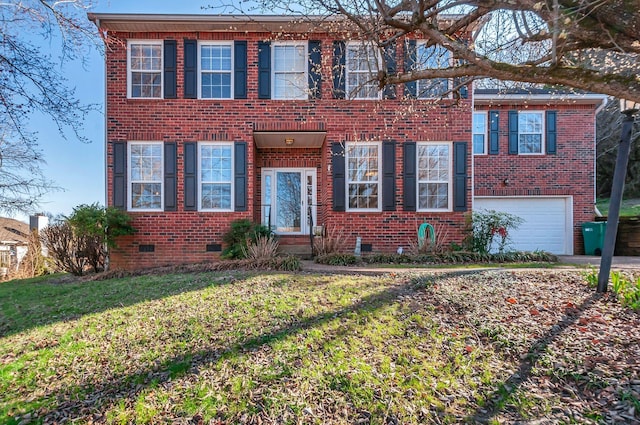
column 214, row 118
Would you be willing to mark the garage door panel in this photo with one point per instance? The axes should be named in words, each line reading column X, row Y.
column 545, row 222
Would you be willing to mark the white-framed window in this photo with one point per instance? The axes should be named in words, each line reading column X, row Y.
column 362, row 65
column 289, row 65
column 435, row 162
column 145, row 172
column 531, row 133
column 363, row 176
column 432, row 57
column 144, row 64
column 215, row 177
column 215, row 66
column 479, row 133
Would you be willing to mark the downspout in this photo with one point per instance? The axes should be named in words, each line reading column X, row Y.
column 473, row 158
column 600, row 107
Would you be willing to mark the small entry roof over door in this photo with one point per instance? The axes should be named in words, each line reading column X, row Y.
column 289, row 139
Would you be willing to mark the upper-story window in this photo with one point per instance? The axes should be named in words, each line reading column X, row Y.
column 216, row 76
column 363, row 176
column 362, row 65
column 145, row 69
column 432, row 57
column 530, row 133
column 289, row 67
column 216, row 176
column 145, row 176
column 479, row 133
column 434, row 176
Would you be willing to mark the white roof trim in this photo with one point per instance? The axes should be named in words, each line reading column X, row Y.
column 541, row 99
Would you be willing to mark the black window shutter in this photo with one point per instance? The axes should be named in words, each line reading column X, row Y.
column 513, row 132
column 240, row 176
column 120, row 175
column 190, row 176
column 459, row 176
column 389, row 91
column 461, row 90
column 315, row 68
column 170, row 177
column 388, row 176
column 190, row 69
column 551, row 130
column 170, row 69
column 410, row 58
column 239, row 69
column 494, row 132
column 409, row 175
column 338, row 69
column 338, row 170
column 264, row 70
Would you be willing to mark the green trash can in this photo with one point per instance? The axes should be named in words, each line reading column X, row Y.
column 593, row 234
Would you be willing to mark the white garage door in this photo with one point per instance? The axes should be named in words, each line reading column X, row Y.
column 547, row 222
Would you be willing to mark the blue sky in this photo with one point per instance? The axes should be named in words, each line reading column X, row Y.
column 79, row 167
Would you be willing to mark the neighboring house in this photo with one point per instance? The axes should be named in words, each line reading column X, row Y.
column 14, row 244
column 216, row 118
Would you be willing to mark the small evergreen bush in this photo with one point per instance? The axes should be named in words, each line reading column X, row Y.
column 241, row 233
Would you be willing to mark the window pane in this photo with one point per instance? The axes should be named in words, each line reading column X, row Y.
column 146, row 195
column 530, row 143
column 290, row 86
column 215, row 58
column 216, row 196
column 215, row 176
column 530, row 122
column 362, row 174
column 478, row 143
column 479, row 123
column 364, row 195
column 216, row 86
column 362, row 66
column 434, row 173
column 432, row 57
column 433, row 195
column 289, row 58
column 430, row 89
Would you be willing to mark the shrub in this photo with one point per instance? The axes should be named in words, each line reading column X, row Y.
column 34, row 262
column 288, row 263
column 65, row 248
column 487, row 227
column 263, row 248
column 241, row 233
column 333, row 241
column 84, row 238
column 337, row 259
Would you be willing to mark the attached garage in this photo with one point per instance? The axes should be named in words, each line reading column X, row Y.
column 547, row 226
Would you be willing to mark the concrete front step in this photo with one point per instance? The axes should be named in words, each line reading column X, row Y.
column 300, row 251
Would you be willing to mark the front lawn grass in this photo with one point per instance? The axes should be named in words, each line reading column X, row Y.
column 232, row 348
column 629, row 207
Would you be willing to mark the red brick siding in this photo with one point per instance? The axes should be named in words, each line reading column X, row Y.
column 181, row 237
column 571, row 171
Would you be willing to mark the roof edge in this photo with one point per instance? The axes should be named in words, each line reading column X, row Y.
column 540, row 98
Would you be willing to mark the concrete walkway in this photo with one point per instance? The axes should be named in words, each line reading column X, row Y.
column 567, row 261
column 617, row 263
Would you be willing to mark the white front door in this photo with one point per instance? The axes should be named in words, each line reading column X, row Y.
column 288, row 199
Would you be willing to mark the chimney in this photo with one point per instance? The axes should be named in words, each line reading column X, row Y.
column 38, row 222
